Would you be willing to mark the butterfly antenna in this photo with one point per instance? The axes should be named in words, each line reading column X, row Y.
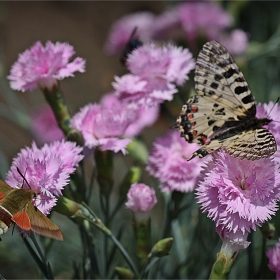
column 132, row 34
column 277, row 100
column 23, row 177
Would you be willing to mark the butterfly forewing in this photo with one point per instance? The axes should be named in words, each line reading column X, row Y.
column 222, row 114
column 217, row 74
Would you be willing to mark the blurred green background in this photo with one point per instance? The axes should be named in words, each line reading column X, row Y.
column 85, row 25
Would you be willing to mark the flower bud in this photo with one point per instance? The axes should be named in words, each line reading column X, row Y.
column 162, row 248
column 124, row 273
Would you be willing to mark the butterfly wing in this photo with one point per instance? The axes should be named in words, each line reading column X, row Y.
column 251, row 145
column 4, row 189
column 42, row 224
column 223, row 95
column 224, row 101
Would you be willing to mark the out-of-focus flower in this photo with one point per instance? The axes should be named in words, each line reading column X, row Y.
column 154, row 73
column 203, row 18
column 168, row 162
column 273, row 255
column 236, row 42
column 140, row 198
column 140, row 117
column 43, row 66
column 239, row 194
column 46, row 170
column 103, row 126
column 167, row 25
column 44, row 126
column 121, row 31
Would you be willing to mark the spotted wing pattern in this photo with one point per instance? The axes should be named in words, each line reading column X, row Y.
column 222, row 114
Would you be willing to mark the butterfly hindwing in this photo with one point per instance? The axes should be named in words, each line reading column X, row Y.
column 251, row 145
column 222, row 114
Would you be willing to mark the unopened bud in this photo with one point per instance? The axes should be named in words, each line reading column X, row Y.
column 162, row 248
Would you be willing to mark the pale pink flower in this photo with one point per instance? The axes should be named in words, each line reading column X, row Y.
column 103, row 126
column 273, row 255
column 203, row 18
column 43, row 66
column 44, row 126
column 167, row 25
column 236, row 42
column 140, row 198
column 271, row 111
column 121, row 31
column 239, row 194
column 233, row 242
column 154, row 73
column 140, row 117
column 47, row 170
column 168, row 162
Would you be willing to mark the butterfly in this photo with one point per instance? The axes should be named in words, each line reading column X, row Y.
column 223, row 112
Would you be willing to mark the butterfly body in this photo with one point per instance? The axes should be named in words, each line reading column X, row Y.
column 223, row 113
column 16, row 207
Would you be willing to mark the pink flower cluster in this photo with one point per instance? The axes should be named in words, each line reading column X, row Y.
column 273, row 255
column 106, row 124
column 43, row 66
column 46, row 170
column 168, row 162
column 154, row 73
column 189, row 20
column 140, row 198
column 238, row 194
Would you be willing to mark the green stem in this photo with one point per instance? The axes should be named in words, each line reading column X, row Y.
column 86, row 213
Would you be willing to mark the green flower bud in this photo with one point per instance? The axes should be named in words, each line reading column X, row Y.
column 124, row 273
column 138, row 150
column 162, row 248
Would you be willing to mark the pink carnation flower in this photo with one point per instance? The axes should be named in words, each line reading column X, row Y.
column 205, row 18
column 273, row 255
column 239, row 194
column 154, row 73
column 103, row 126
column 121, row 31
column 43, row 66
column 271, row 111
column 46, row 170
column 140, row 198
column 140, row 117
column 168, row 163
column 44, row 126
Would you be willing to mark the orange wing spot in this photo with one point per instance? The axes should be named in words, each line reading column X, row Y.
column 190, row 116
column 22, row 220
column 203, row 138
column 1, row 196
column 193, row 123
column 194, row 109
column 194, row 132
